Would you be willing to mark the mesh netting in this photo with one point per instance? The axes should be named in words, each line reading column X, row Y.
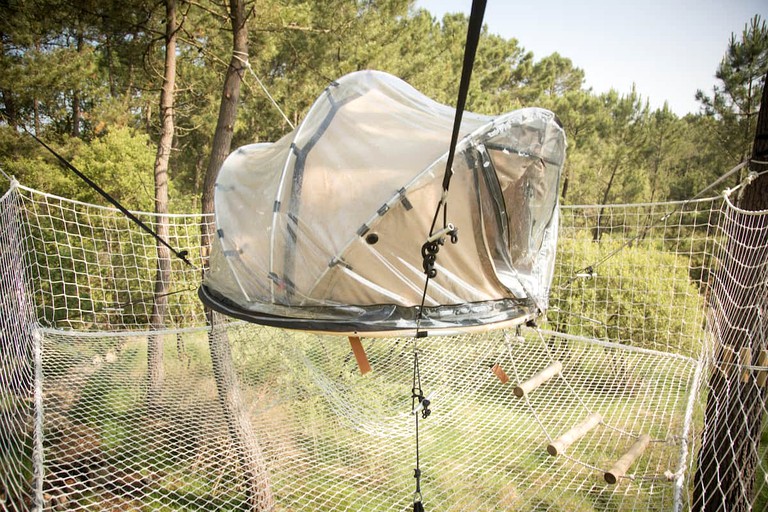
column 93, row 269
column 255, row 418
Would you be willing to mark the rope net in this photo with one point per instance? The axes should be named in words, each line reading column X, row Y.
column 639, row 376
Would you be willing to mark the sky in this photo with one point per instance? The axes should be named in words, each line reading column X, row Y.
column 668, row 48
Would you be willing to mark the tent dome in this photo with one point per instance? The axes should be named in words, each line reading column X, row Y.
column 322, row 230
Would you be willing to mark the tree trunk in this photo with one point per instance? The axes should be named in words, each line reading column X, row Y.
column 728, row 459
column 110, row 66
column 36, row 114
column 163, row 276
column 246, row 444
column 11, row 114
column 222, row 138
column 597, row 232
column 76, row 103
column 251, row 458
column 35, row 100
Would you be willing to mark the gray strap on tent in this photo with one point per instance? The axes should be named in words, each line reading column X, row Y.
column 297, row 184
column 470, row 49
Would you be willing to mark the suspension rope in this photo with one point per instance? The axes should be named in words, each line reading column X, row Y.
column 432, row 246
column 419, row 403
column 419, row 408
column 470, row 49
column 247, row 64
column 182, row 255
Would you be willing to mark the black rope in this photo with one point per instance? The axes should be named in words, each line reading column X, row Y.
column 470, row 49
column 431, row 247
column 418, row 400
column 182, row 255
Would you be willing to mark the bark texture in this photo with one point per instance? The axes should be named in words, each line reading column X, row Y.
column 162, row 159
column 247, row 446
column 728, row 459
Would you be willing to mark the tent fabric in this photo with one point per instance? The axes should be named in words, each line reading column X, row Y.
column 322, row 230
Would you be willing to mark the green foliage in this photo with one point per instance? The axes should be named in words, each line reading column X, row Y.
column 736, row 100
column 761, row 500
column 642, row 297
column 89, row 74
column 122, row 162
column 25, row 160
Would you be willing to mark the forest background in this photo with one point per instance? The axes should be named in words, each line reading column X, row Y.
column 94, row 80
column 87, row 76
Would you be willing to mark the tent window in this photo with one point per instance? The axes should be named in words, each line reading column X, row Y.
column 522, row 179
column 493, row 212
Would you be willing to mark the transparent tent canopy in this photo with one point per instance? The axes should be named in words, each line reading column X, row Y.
column 322, row 230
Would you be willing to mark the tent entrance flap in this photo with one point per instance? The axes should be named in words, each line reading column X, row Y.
column 323, row 228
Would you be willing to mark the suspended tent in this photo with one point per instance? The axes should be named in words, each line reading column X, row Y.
column 322, row 230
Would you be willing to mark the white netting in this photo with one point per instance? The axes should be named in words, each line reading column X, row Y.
column 93, row 269
column 285, row 418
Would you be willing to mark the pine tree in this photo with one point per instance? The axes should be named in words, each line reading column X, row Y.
column 729, row 456
column 735, row 101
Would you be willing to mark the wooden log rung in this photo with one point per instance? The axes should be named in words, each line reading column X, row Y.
column 745, row 358
column 762, row 375
column 562, row 443
column 500, row 374
column 724, row 362
column 537, row 380
column 620, row 467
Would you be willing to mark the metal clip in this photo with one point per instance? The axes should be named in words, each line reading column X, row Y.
column 424, row 403
column 441, row 233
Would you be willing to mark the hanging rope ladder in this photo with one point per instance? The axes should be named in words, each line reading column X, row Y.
column 560, row 445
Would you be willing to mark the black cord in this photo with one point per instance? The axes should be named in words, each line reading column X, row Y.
column 431, row 247
column 182, row 255
column 418, row 399
column 470, row 49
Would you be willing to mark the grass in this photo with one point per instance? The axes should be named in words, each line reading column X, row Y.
column 481, row 448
